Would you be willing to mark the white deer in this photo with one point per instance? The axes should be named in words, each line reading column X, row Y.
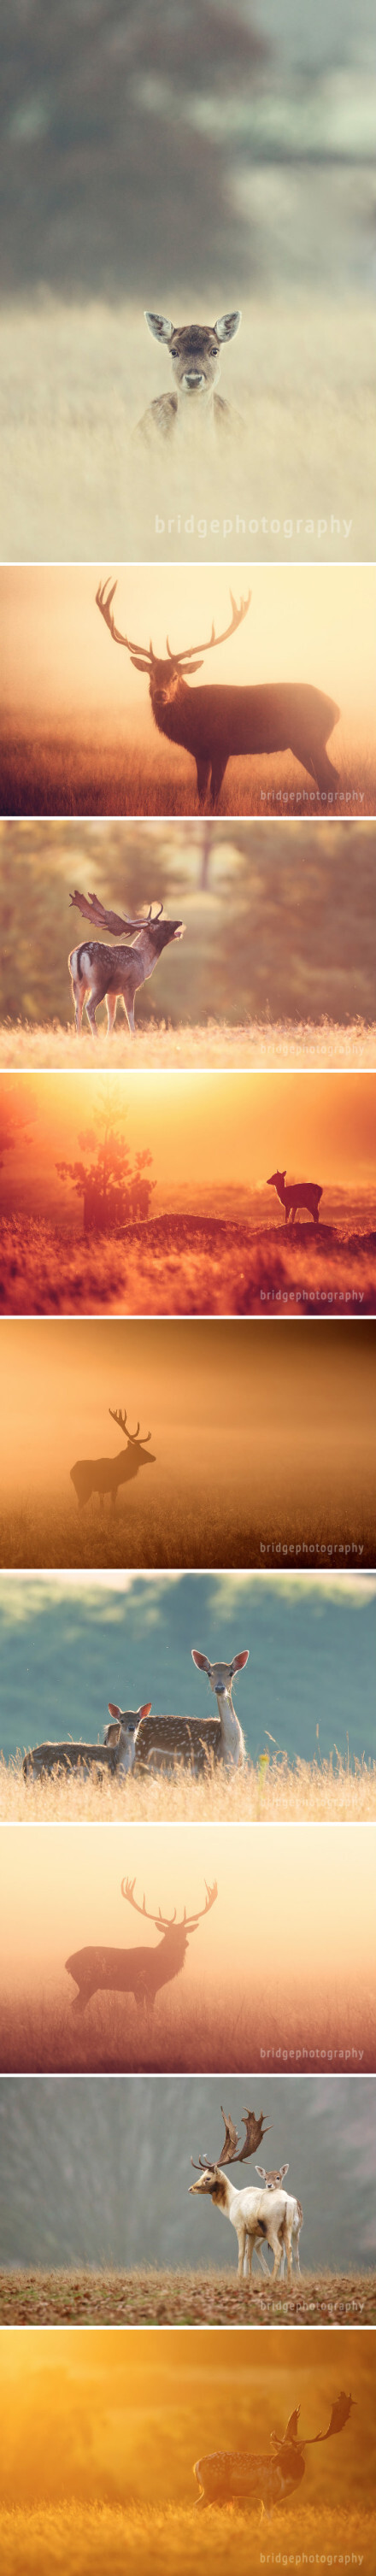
column 271, row 2182
column 271, row 2215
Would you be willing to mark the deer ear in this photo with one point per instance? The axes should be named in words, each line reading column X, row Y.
column 161, row 329
column 239, row 1661
column 145, row 1711
column 261, row 2170
column 284, row 2169
column 227, row 326
column 200, row 1660
column 138, row 665
column 113, row 1710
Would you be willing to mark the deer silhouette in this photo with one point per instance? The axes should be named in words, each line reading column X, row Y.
column 218, row 724
column 230, row 2477
column 140, row 1972
column 104, row 1475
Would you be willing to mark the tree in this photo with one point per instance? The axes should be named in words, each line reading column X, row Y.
column 112, row 1188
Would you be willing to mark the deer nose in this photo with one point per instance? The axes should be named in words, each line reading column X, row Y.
column 194, row 376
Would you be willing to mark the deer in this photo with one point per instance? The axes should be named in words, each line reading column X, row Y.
column 219, row 724
column 102, row 974
column 193, row 406
column 253, row 2214
column 104, row 1475
column 114, row 1755
column 251, row 2477
column 141, row 1971
column 271, row 2182
column 162, row 1741
column 299, row 1194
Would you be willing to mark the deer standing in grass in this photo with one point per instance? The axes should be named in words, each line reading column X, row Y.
column 219, row 724
column 252, row 2477
column 116, row 1755
column 296, row 1194
column 193, row 409
column 162, row 1741
column 102, row 974
column 140, row 1972
column 104, row 1475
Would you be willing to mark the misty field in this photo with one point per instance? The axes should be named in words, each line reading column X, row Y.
column 186, row 1265
column 156, row 2297
column 89, row 2538
column 327, row 1518
column 317, row 2030
column 160, row 1047
column 51, row 773
column 273, row 1791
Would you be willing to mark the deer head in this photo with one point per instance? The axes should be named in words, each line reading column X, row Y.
column 195, row 350
column 137, row 1439
column 271, row 2180
column 167, row 1922
column 165, row 676
column 220, row 1676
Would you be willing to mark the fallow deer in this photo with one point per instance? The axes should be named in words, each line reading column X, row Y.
column 102, row 974
column 104, row 1475
column 253, row 2214
column 116, row 1755
column 220, row 724
column 270, row 2182
column 140, row 1972
column 162, row 1741
column 297, row 1194
column 194, row 408
column 251, row 2477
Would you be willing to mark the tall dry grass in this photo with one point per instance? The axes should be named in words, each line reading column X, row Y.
column 53, row 774
column 160, row 1047
column 87, row 2539
column 185, row 1266
column 305, row 1521
column 272, row 1791
column 155, row 2297
column 322, row 2030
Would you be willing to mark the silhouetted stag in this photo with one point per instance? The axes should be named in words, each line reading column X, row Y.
column 220, row 724
column 104, row 1475
column 251, row 2477
column 139, row 1972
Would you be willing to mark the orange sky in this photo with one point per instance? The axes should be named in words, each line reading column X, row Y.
column 191, row 1383
column 293, row 1903
column 316, row 623
column 202, row 1129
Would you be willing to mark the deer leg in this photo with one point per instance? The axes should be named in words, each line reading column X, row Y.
column 241, row 2233
column 203, row 775
column 79, row 998
column 218, row 772
column 90, row 1012
column 276, row 2249
column 111, row 1000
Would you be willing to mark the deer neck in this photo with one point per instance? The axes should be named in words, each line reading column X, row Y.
column 145, row 953
column 232, row 1740
column 194, row 413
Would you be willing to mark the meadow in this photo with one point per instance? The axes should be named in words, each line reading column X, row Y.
column 88, row 2538
column 186, row 1265
column 203, row 1527
column 52, row 773
column 271, row 1791
column 214, row 1043
column 155, row 2297
column 43, row 2035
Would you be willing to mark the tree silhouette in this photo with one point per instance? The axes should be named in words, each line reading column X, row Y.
column 113, row 1189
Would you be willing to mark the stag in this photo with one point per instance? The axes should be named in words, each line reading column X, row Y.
column 101, row 974
column 297, row 1194
column 193, row 405
column 219, row 724
column 104, row 1475
column 239, row 2477
column 140, row 1972
column 272, row 2216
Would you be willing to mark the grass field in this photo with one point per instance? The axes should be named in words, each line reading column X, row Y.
column 204, row 1528
column 40, row 2035
column 52, row 774
column 186, row 1265
column 87, row 2538
column 273, row 1791
column 159, row 1047
column 183, row 2298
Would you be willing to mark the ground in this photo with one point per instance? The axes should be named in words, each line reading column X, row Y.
column 159, row 2298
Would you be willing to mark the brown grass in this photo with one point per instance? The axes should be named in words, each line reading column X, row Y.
column 159, row 1047
column 271, row 1792
column 304, row 1519
column 88, row 2538
column 40, row 2036
column 183, row 2298
column 186, row 1266
column 54, row 775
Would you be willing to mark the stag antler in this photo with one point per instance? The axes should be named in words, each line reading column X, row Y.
column 236, row 620
column 256, row 2129
column 95, row 911
column 121, row 1419
column 105, row 605
column 341, row 2409
column 231, row 2152
column 127, row 1890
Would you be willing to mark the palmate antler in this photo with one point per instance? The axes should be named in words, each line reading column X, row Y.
column 341, row 2409
column 231, row 2152
column 104, row 598
column 95, row 912
column 133, row 1436
column 163, row 1921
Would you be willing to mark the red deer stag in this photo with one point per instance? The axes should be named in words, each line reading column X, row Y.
column 220, row 724
column 104, row 1475
column 100, row 974
column 251, row 2477
column 193, row 407
column 297, row 1194
column 139, row 1972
